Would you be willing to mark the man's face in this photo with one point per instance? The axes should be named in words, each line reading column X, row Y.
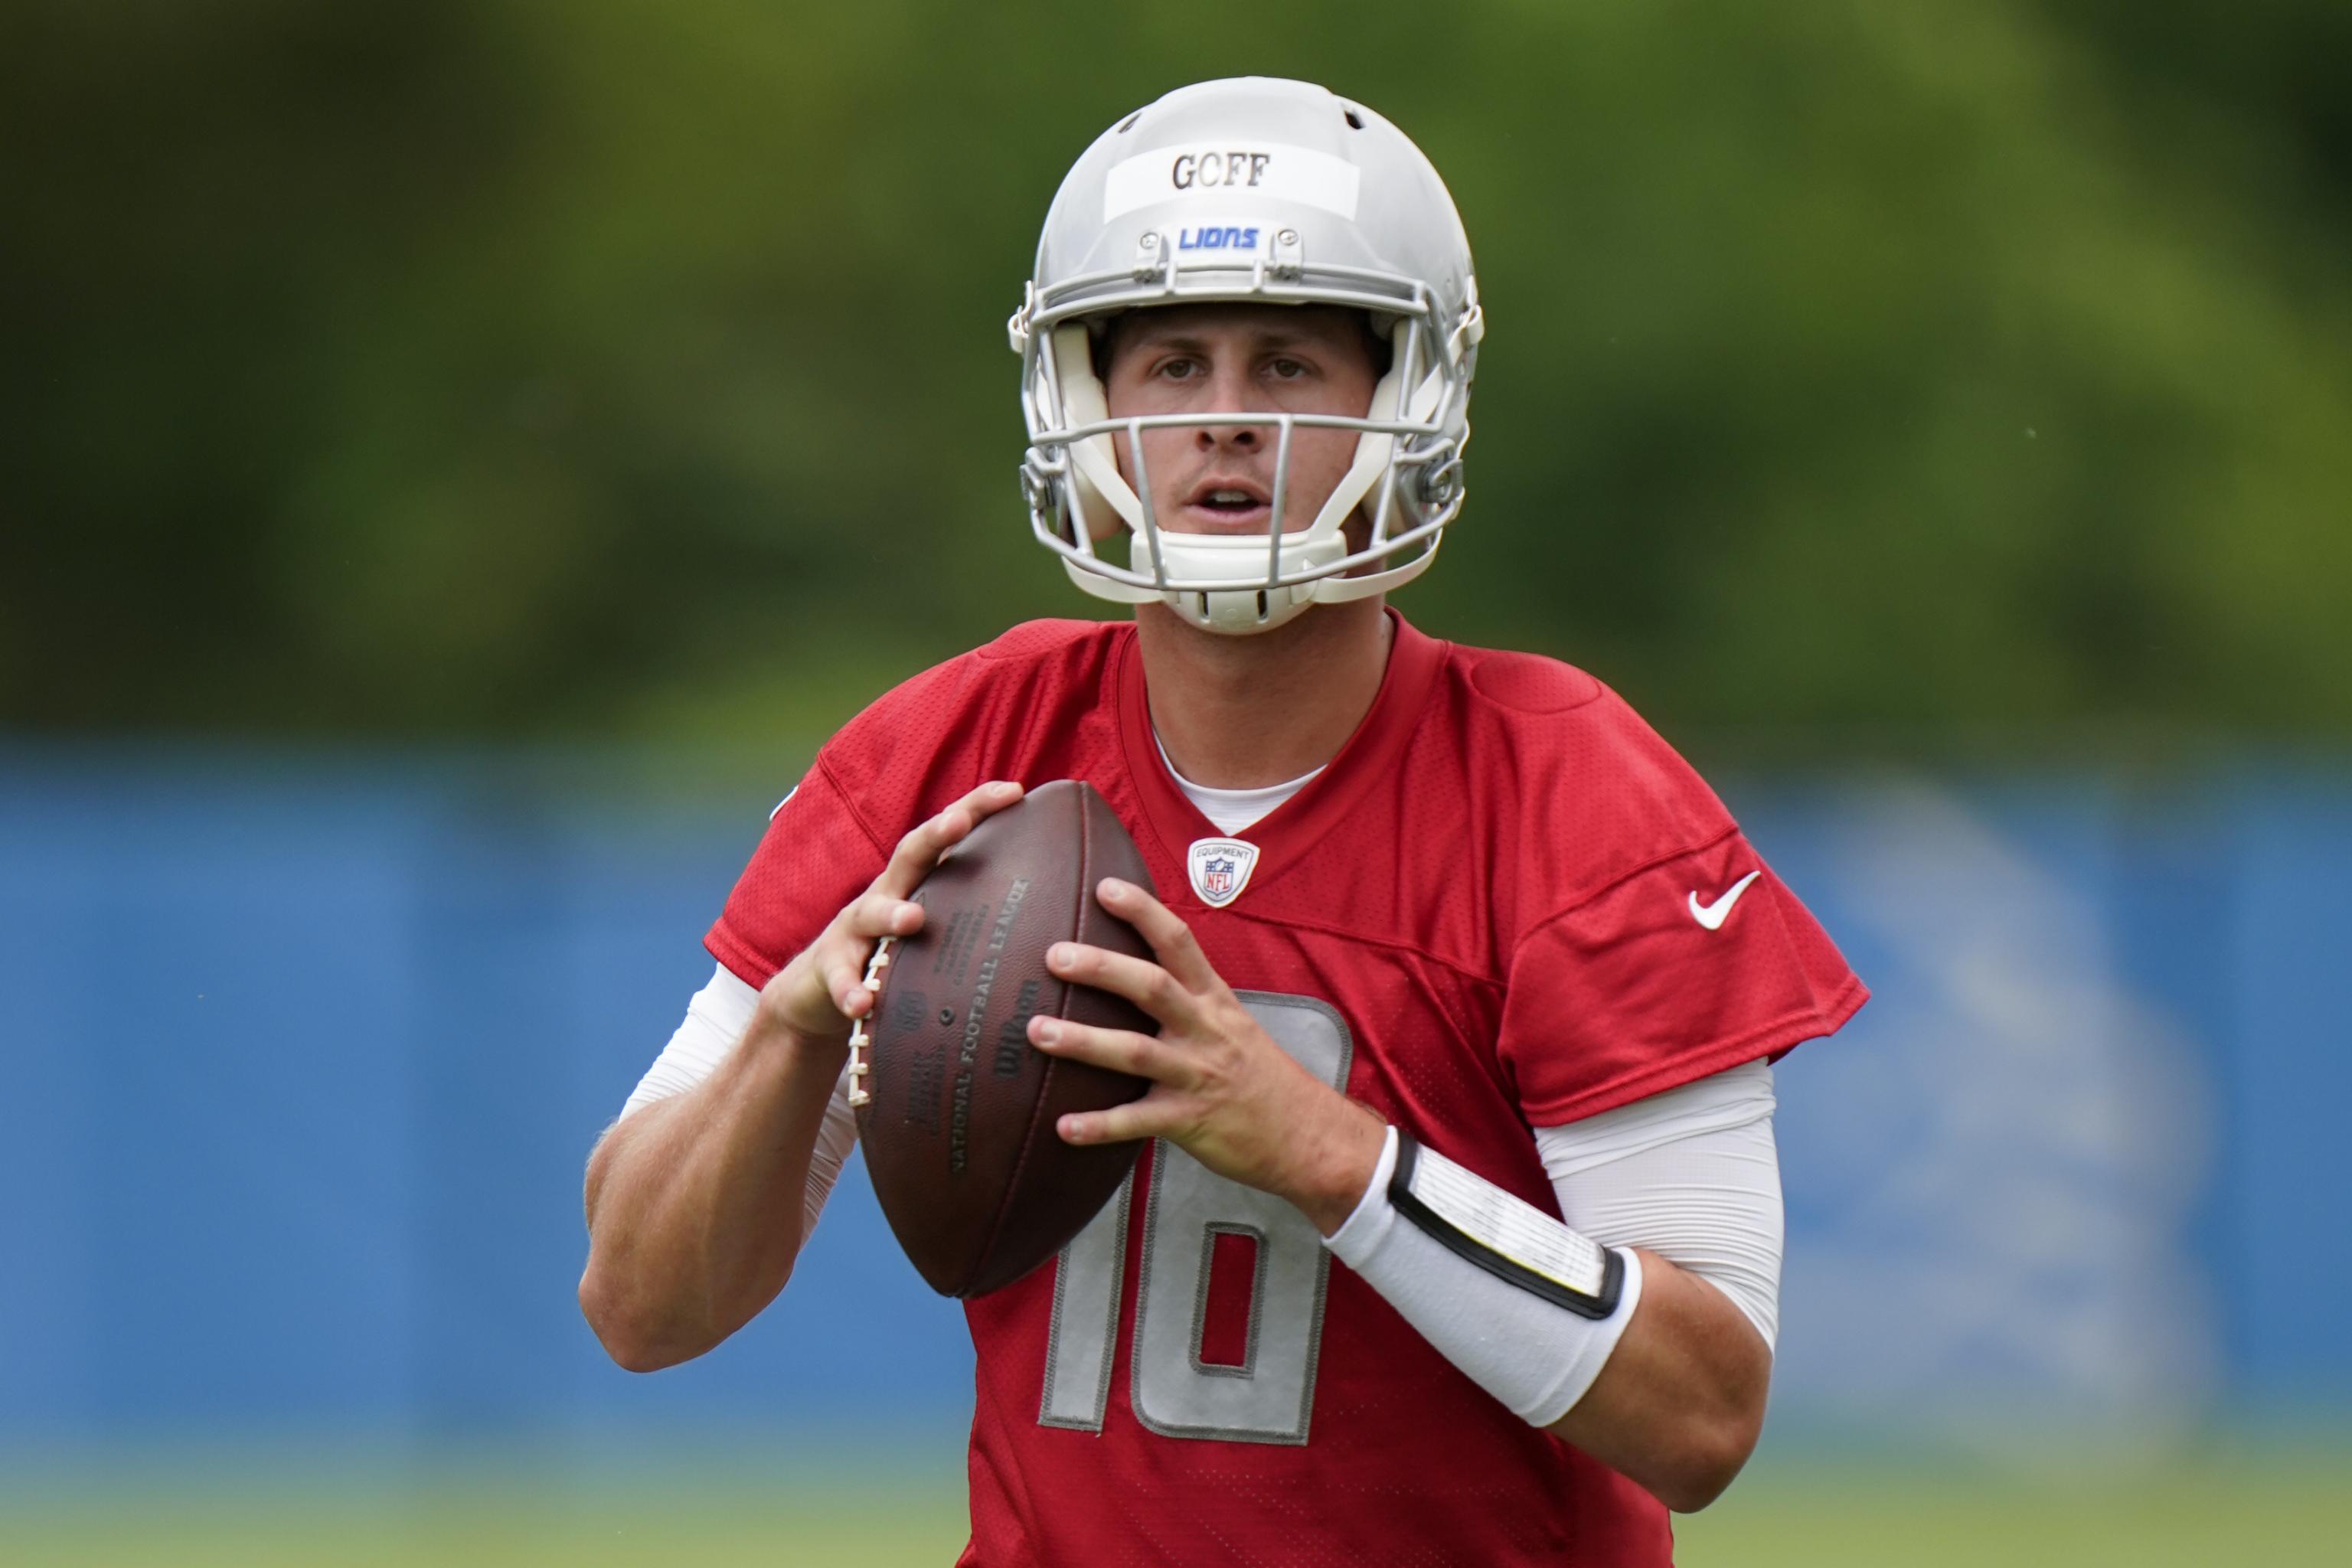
column 1239, row 359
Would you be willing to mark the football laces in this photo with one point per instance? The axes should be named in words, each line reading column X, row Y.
column 860, row 1042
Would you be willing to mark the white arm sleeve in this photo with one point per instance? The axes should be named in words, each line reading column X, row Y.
column 714, row 1020
column 1692, row 1175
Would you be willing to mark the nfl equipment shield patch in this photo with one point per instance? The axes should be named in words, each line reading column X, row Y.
column 1221, row 868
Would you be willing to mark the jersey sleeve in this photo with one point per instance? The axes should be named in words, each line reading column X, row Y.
column 1685, row 967
column 816, row 855
column 914, row 751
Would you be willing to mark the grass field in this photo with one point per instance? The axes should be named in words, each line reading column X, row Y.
column 2238, row 1510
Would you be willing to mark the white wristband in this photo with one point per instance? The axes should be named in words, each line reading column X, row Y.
column 1525, row 1307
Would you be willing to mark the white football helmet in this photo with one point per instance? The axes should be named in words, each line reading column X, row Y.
column 1251, row 189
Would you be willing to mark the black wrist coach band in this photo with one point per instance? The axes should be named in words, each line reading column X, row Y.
column 1596, row 1302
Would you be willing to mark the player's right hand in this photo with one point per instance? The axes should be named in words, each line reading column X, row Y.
column 823, row 990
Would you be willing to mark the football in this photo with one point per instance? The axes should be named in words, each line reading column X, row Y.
column 956, row 1110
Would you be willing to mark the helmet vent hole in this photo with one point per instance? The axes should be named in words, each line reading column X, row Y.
column 1204, row 605
column 1355, row 121
column 1261, row 611
column 1128, row 124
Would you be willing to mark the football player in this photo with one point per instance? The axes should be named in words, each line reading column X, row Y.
column 1459, row 1239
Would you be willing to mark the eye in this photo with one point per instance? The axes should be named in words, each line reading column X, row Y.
column 1181, row 369
column 1284, row 368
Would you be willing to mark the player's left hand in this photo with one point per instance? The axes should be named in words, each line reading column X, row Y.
column 1222, row 1089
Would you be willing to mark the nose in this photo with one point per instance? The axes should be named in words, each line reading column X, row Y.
column 1230, row 389
column 1227, row 438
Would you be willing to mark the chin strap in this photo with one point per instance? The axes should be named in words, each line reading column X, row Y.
column 1095, row 481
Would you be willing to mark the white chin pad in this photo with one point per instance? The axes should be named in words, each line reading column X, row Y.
column 1236, row 614
column 1207, row 557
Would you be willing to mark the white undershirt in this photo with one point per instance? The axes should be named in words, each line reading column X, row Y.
column 1235, row 810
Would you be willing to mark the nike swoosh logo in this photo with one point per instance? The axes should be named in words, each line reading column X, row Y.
column 1712, row 916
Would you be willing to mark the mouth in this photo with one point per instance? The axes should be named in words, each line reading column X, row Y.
column 1224, row 504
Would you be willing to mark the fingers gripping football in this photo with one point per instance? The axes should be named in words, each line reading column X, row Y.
column 1117, row 1049
column 921, row 849
column 1222, row 1089
column 848, row 943
column 823, row 990
column 1149, row 986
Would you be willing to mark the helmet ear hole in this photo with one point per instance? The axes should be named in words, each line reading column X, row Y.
column 1355, row 121
column 1380, row 343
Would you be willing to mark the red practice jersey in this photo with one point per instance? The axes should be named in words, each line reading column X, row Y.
column 1503, row 905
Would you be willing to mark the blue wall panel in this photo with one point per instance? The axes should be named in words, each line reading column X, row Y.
column 2290, row 1156
column 304, row 1061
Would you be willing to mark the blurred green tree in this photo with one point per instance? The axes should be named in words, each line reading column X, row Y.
column 1877, row 373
